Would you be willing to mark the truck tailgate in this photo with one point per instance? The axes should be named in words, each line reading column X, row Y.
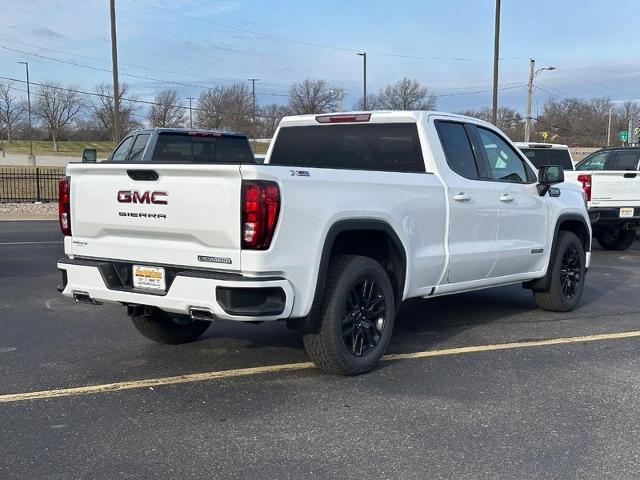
column 189, row 215
column 615, row 188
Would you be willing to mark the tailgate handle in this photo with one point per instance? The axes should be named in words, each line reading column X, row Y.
column 629, row 175
column 143, row 175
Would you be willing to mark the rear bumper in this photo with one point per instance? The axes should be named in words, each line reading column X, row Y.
column 225, row 296
column 610, row 216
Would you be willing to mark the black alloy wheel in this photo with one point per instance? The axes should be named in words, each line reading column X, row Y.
column 570, row 272
column 363, row 319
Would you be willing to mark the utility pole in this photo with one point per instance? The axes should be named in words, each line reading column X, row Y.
column 31, row 157
column 609, row 127
column 190, row 114
column 527, row 120
column 114, row 63
column 496, row 60
column 253, row 114
column 364, row 97
column 533, row 73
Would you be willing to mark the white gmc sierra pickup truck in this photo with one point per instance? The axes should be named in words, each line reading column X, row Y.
column 611, row 183
column 349, row 215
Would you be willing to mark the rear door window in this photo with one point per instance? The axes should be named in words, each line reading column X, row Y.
column 625, row 160
column 383, row 147
column 457, row 149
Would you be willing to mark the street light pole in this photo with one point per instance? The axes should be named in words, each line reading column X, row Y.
column 533, row 73
column 253, row 113
column 609, row 127
column 364, row 64
column 26, row 64
column 190, row 114
column 114, row 63
column 496, row 59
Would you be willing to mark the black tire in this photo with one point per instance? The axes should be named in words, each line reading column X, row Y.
column 615, row 238
column 567, row 271
column 355, row 324
column 167, row 328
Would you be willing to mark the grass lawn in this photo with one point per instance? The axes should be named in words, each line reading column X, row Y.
column 65, row 148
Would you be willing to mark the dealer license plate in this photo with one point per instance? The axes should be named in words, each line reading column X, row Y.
column 149, row 278
column 626, row 212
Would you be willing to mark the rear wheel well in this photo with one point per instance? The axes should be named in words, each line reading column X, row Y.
column 378, row 245
column 370, row 238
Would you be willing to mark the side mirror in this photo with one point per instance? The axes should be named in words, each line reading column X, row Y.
column 89, row 155
column 549, row 175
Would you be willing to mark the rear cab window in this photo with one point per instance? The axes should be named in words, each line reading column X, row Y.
column 391, row 147
column 201, row 147
column 548, row 156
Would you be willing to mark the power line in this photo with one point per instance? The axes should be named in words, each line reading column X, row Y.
column 142, row 67
column 480, row 91
column 305, row 42
column 81, row 65
column 584, row 79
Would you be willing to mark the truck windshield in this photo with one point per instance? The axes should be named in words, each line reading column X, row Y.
column 384, row 147
column 548, row 156
column 201, row 147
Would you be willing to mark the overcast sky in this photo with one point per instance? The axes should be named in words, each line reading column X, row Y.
column 448, row 45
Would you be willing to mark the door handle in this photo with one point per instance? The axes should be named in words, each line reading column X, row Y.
column 461, row 197
column 505, row 197
column 143, row 175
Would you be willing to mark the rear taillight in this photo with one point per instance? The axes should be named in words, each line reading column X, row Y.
column 64, row 205
column 585, row 180
column 260, row 208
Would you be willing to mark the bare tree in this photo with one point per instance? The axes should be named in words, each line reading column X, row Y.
column 102, row 109
column 407, row 94
column 167, row 112
column 58, row 107
column 269, row 117
column 312, row 96
column 628, row 111
column 576, row 121
column 225, row 108
column 11, row 109
column 373, row 103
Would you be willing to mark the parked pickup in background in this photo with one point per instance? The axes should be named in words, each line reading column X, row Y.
column 350, row 215
column 611, row 184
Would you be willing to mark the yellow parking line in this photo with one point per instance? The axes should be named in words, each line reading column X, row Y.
column 241, row 372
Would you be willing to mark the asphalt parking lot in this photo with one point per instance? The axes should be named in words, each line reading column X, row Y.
column 537, row 407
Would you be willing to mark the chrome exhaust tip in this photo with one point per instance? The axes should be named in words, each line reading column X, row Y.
column 84, row 297
column 201, row 313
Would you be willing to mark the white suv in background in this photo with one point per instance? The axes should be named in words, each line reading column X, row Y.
column 547, row 154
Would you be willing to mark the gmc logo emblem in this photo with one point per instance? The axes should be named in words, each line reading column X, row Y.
column 131, row 196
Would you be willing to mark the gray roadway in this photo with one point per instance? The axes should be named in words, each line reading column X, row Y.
column 560, row 411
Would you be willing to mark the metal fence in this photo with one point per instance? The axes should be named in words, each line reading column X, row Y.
column 29, row 184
